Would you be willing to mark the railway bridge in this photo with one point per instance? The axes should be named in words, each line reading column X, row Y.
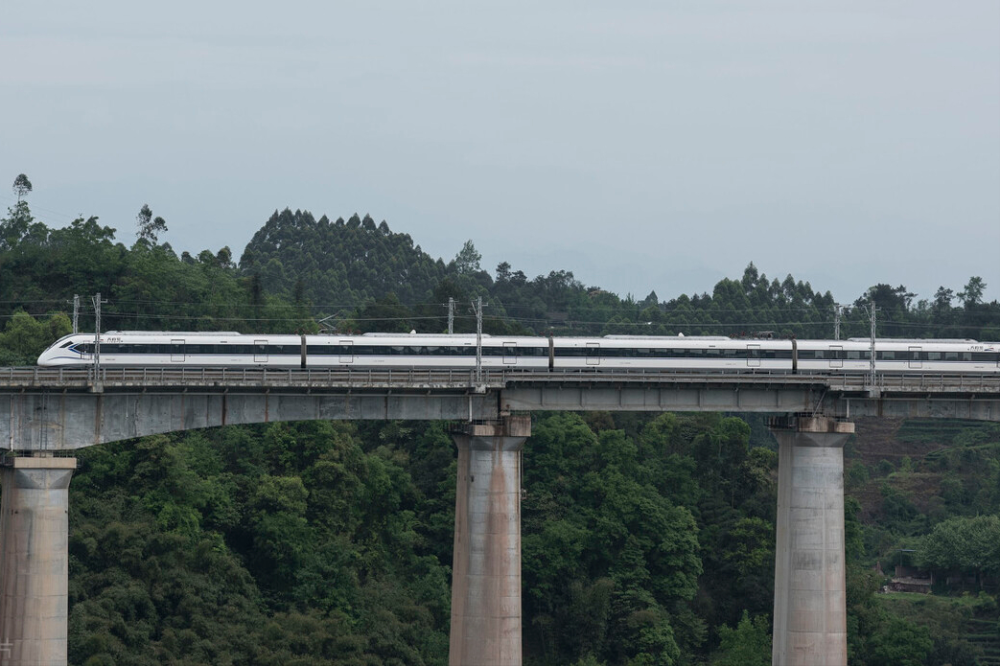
column 46, row 414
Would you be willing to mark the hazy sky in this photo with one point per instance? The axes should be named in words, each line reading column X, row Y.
column 657, row 145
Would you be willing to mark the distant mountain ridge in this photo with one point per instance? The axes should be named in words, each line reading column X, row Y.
column 340, row 263
column 374, row 279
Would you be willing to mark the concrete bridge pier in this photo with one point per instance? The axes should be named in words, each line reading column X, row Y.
column 810, row 589
column 486, row 572
column 34, row 560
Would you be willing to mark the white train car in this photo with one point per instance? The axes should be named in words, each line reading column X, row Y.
column 674, row 353
column 934, row 356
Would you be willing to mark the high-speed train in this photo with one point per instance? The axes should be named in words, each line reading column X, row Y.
column 389, row 351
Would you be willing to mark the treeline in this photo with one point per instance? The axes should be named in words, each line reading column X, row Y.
column 367, row 278
column 147, row 287
column 355, row 276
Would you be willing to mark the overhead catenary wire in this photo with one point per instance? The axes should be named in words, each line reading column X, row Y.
column 498, row 318
column 715, row 313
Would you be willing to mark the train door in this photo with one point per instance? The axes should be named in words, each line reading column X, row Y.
column 260, row 351
column 836, row 356
column 753, row 356
column 916, row 362
column 177, row 351
column 346, row 351
column 510, row 353
column 593, row 353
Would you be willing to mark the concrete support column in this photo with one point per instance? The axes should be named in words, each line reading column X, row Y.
column 486, row 572
column 810, row 589
column 34, row 560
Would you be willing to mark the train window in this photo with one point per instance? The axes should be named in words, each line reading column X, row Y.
column 966, row 356
column 951, row 356
column 933, row 356
column 853, row 355
column 985, row 356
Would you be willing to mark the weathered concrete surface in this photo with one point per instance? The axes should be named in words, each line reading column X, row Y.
column 810, row 588
column 486, row 575
column 758, row 398
column 34, row 561
column 69, row 421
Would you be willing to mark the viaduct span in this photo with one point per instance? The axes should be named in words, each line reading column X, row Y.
column 46, row 414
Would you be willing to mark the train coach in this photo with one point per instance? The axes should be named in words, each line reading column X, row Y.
column 389, row 351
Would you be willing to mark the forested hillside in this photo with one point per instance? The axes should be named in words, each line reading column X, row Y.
column 647, row 539
column 339, row 263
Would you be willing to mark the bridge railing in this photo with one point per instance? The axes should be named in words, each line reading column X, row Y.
column 243, row 377
column 464, row 378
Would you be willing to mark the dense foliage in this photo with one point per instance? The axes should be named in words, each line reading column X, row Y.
column 647, row 539
column 339, row 264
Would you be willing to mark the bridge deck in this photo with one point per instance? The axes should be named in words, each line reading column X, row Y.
column 420, row 380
